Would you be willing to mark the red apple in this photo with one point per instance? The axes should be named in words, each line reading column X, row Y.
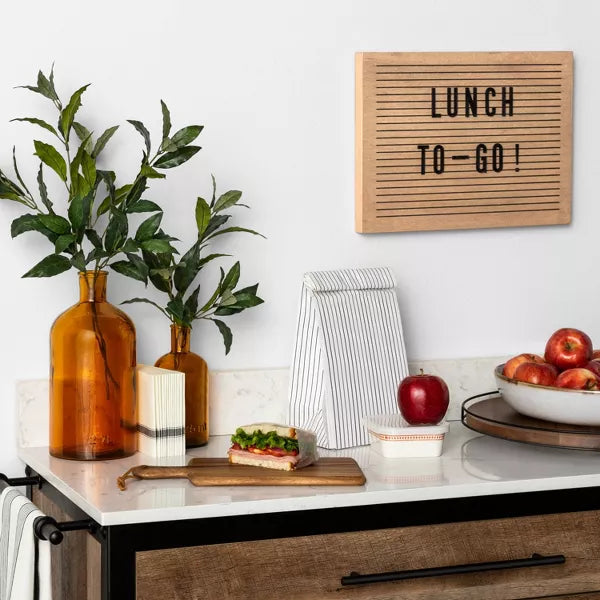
column 536, row 373
column 594, row 367
column 578, row 379
column 511, row 365
column 423, row 399
column 568, row 348
column 595, row 354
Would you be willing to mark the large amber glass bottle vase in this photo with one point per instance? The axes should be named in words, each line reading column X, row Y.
column 196, row 384
column 92, row 369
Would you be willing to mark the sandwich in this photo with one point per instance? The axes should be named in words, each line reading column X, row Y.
column 273, row 446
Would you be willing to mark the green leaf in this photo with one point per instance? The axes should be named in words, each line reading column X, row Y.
column 227, row 199
column 209, row 304
column 45, row 86
column 141, row 128
column 214, row 190
column 191, row 305
column 175, row 308
column 232, row 277
column 103, row 140
column 247, row 300
column 176, row 158
column 79, row 214
column 202, row 215
column 50, row 266
column 225, row 332
column 244, row 298
column 166, row 125
column 234, row 229
column 116, row 231
column 43, row 190
column 39, row 122
column 186, row 135
column 25, row 223
column 150, row 173
column 78, row 261
column 159, row 278
column 67, row 115
column 216, row 221
column 94, row 238
column 128, row 269
column 63, row 242
column 136, row 191
column 84, row 136
column 104, row 206
column 29, row 222
column 158, row 246
column 88, row 168
column 142, row 206
column 55, row 223
column 148, row 228
column 96, row 254
column 50, row 156
column 17, row 171
column 140, row 265
column 146, row 301
column 130, row 246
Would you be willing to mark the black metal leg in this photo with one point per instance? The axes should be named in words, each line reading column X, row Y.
column 118, row 564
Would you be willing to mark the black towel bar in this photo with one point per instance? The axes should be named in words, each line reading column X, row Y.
column 47, row 528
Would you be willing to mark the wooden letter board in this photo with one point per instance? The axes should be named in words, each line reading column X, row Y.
column 463, row 140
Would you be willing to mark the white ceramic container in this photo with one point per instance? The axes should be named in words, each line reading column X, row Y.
column 393, row 437
column 560, row 405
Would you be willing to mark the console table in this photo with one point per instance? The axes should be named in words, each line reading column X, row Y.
column 485, row 509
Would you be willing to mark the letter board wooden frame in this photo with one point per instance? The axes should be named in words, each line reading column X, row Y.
column 463, row 140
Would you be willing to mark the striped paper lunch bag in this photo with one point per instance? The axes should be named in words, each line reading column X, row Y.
column 349, row 355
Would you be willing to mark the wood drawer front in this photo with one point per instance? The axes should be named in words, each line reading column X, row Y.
column 311, row 567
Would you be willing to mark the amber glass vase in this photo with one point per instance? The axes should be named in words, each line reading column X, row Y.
column 196, row 384
column 92, row 369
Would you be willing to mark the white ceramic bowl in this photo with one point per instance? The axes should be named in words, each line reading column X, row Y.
column 561, row 405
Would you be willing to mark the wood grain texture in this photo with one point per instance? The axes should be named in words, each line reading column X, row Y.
column 495, row 417
column 311, row 567
column 218, row 471
column 75, row 561
column 462, row 140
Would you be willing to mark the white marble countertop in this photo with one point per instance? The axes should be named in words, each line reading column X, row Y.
column 471, row 465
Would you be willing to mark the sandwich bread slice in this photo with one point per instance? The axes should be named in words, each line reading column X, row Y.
column 273, row 446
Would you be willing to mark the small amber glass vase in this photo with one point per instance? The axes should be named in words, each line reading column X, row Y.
column 92, row 375
column 196, row 384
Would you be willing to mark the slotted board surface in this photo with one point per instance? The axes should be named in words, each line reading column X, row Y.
column 326, row 471
column 462, row 140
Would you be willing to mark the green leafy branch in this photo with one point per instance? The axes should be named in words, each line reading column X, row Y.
column 79, row 238
column 176, row 278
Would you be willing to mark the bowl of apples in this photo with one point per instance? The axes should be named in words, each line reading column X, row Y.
column 562, row 386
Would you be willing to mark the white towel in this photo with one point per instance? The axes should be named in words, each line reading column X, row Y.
column 349, row 356
column 24, row 559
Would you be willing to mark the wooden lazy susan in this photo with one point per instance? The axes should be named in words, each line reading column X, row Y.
column 490, row 414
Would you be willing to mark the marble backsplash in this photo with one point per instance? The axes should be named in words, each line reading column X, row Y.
column 261, row 395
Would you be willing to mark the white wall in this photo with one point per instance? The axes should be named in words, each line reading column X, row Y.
column 273, row 82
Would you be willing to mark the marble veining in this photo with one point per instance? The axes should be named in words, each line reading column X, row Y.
column 248, row 396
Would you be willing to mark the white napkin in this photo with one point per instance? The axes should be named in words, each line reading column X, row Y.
column 161, row 411
column 24, row 559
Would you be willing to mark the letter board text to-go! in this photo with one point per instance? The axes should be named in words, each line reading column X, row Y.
column 463, row 140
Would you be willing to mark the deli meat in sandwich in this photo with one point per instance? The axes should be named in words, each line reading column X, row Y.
column 273, row 446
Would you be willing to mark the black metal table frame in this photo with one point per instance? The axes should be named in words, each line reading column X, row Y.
column 119, row 543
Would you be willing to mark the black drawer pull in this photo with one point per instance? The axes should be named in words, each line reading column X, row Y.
column 536, row 560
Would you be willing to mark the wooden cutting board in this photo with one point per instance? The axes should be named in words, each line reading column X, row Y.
column 218, row 471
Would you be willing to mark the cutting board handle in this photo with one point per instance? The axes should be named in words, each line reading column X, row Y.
column 152, row 472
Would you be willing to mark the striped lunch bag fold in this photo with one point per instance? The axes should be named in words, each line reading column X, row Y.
column 349, row 355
